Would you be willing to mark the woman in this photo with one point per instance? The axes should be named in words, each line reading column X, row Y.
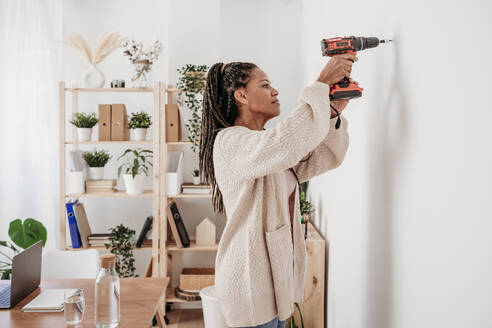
column 260, row 264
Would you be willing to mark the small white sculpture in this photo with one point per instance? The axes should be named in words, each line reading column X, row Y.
column 205, row 233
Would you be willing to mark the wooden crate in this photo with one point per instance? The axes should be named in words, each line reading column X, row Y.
column 194, row 279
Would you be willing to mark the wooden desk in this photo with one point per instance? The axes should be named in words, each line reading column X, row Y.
column 138, row 304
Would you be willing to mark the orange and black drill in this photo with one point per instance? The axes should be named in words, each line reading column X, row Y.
column 347, row 89
column 351, row 44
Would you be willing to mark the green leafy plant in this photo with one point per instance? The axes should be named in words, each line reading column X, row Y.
column 121, row 244
column 305, row 206
column 139, row 120
column 191, row 83
column 137, row 161
column 22, row 234
column 84, row 120
column 196, row 173
column 291, row 322
column 96, row 158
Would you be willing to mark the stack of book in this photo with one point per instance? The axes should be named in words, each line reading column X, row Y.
column 97, row 186
column 99, row 239
column 190, row 188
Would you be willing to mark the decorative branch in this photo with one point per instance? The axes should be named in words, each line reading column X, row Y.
column 106, row 44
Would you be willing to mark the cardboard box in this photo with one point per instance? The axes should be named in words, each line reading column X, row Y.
column 104, row 122
column 173, row 126
column 119, row 123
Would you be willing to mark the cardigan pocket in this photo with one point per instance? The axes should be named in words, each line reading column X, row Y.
column 280, row 252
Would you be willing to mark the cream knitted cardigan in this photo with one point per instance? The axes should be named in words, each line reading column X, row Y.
column 260, row 266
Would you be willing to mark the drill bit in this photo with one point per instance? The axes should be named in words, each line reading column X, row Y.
column 385, row 41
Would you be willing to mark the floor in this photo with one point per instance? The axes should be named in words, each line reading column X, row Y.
column 185, row 318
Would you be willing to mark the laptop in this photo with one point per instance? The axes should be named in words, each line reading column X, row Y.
column 26, row 276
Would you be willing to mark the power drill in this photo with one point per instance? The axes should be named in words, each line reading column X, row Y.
column 347, row 45
column 346, row 89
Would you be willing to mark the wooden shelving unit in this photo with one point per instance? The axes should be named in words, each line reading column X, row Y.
column 161, row 254
column 160, row 94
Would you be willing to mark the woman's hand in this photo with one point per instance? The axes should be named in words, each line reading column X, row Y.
column 337, row 68
column 340, row 105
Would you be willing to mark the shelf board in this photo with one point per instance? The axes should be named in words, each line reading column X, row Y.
column 190, row 196
column 171, row 143
column 110, row 89
column 193, row 247
column 102, row 248
column 117, row 89
column 171, row 296
column 118, row 193
column 149, row 142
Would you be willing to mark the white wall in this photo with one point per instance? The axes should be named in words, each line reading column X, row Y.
column 407, row 215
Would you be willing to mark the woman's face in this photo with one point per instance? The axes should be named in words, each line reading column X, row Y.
column 259, row 96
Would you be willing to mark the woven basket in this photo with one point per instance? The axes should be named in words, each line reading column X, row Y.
column 195, row 279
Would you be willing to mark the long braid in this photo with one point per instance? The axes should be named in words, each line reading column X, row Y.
column 219, row 112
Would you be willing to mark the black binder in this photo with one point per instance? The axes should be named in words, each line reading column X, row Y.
column 145, row 229
column 183, row 235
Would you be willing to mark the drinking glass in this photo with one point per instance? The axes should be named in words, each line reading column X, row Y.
column 74, row 305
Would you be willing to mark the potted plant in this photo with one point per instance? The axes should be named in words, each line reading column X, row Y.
column 196, row 177
column 306, row 207
column 191, row 83
column 121, row 243
column 135, row 169
column 139, row 123
column 84, row 123
column 291, row 322
column 96, row 160
column 23, row 235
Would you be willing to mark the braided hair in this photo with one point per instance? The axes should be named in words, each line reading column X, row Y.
column 219, row 112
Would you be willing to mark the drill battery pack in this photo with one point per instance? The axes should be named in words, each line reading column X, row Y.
column 345, row 90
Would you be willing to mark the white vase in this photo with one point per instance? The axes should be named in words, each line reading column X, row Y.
column 196, row 180
column 134, row 185
column 84, row 134
column 96, row 173
column 93, row 78
column 139, row 134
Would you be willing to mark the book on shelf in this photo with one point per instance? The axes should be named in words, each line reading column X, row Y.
column 97, row 186
column 72, row 224
column 78, row 224
column 188, row 185
column 190, row 188
column 196, row 191
column 95, row 236
column 146, row 231
column 100, row 183
column 177, row 226
column 100, row 244
column 82, row 224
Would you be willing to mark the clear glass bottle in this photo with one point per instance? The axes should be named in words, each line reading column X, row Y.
column 107, row 294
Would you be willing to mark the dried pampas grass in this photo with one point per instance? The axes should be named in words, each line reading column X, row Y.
column 106, row 44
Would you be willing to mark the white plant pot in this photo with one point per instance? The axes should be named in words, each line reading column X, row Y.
column 84, row 134
column 92, row 78
column 139, row 134
column 76, row 182
column 196, row 180
column 96, row 173
column 134, row 185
